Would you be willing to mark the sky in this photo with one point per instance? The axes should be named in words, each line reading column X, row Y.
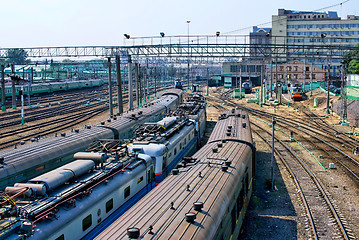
column 50, row 23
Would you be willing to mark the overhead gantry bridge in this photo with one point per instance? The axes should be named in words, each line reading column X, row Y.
column 199, row 47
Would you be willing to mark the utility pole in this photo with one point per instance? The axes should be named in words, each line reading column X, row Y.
column 188, row 22
column 119, row 85
column 130, row 92
column 262, row 76
column 13, row 89
column 110, row 87
column 140, row 84
column 344, row 95
column 136, row 84
column 147, row 77
column 272, row 159
column 271, row 79
column 240, row 81
column 3, row 107
column 276, row 75
column 207, row 81
column 21, row 93
column 29, row 80
column 328, row 95
column 155, row 81
column 311, row 80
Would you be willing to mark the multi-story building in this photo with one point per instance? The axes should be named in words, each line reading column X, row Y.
column 296, row 72
column 315, row 29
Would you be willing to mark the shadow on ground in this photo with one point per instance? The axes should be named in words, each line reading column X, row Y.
column 270, row 214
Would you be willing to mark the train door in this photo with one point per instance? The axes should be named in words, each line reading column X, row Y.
column 150, row 177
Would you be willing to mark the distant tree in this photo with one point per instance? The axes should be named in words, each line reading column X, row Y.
column 66, row 60
column 353, row 67
column 16, row 56
column 351, row 59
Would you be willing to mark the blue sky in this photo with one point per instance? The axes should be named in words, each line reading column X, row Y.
column 32, row 23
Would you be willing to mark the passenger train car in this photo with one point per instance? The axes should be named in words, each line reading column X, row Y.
column 92, row 191
column 207, row 195
column 247, row 87
column 178, row 84
column 38, row 88
column 172, row 138
column 70, row 201
column 43, row 155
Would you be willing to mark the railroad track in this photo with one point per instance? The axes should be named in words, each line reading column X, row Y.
column 322, row 139
column 320, row 210
column 65, row 123
column 73, row 114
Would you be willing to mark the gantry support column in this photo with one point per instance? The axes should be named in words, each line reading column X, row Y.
column 119, row 85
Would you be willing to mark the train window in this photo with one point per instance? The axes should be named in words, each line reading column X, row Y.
column 180, row 145
column 185, row 141
column 61, row 237
column 175, row 151
column 139, row 180
column 127, row 191
column 189, row 137
column 169, row 154
column 86, row 222
column 109, row 205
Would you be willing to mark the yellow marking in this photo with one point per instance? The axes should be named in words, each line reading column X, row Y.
column 250, row 183
column 231, row 237
column 9, row 199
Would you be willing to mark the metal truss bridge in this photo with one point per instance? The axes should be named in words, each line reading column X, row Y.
column 197, row 47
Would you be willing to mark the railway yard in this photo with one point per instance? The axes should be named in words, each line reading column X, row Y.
column 53, row 114
column 312, row 199
column 316, row 173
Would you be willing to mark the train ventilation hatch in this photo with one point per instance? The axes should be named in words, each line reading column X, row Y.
column 133, row 233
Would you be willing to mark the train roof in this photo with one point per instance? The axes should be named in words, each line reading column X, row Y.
column 202, row 180
column 89, row 171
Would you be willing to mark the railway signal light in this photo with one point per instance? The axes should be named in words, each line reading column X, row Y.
column 126, row 36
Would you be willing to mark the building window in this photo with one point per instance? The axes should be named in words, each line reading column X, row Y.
column 289, row 68
column 295, row 76
column 281, row 68
column 234, row 68
column 86, row 222
column 127, row 192
column 306, row 76
column 295, row 68
column 313, row 76
column 306, row 68
column 109, row 205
